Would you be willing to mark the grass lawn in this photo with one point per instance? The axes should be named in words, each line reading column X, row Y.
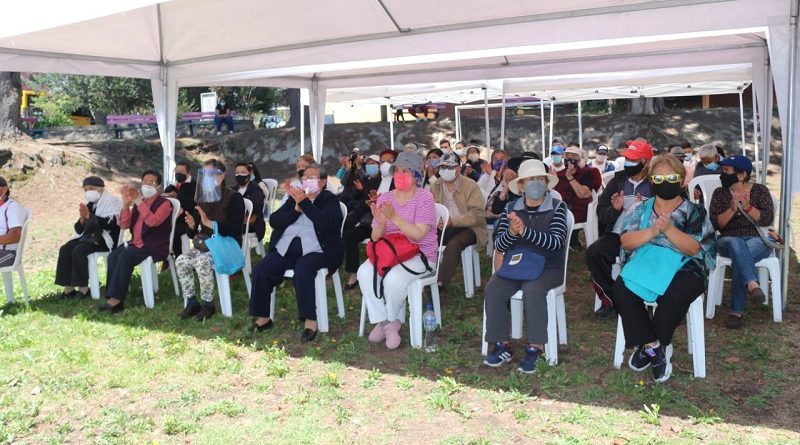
column 69, row 375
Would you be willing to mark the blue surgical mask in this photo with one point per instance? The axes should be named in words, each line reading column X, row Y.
column 372, row 169
column 535, row 189
column 712, row 166
column 556, row 159
column 433, row 162
column 631, row 164
column 498, row 165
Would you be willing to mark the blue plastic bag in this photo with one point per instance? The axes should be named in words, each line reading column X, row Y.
column 225, row 252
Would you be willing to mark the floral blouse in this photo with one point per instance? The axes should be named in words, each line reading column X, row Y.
column 688, row 218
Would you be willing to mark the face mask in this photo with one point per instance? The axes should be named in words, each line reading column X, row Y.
column 665, row 190
column 180, row 177
column 633, row 168
column 242, row 180
column 712, row 166
column 459, row 151
column 148, row 191
column 535, row 189
column 372, row 169
column 386, row 169
column 433, row 163
column 728, row 179
column 252, row 177
column 574, row 162
column 601, row 158
column 498, row 165
column 300, row 172
column 222, row 103
column 473, row 157
column 447, row 175
column 92, row 195
column 556, row 159
column 402, row 181
column 311, row 186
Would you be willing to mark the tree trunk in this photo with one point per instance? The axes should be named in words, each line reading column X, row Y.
column 647, row 105
column 295, row 107
column 10, row 95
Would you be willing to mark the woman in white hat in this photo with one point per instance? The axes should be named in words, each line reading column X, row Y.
column 532, row 235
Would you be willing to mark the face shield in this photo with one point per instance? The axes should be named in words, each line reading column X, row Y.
column 209, row 185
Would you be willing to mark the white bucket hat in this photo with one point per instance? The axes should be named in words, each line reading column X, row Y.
column 529, row 169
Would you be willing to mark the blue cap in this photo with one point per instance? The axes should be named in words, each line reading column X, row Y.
column 741, row 163
column 557, row 149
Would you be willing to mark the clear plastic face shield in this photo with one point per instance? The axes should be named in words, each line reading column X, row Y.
column 209, row 185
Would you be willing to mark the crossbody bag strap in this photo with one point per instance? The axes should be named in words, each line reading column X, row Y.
column 762, row 231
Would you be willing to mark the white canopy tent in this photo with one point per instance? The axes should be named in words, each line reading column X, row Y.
column 360, row 43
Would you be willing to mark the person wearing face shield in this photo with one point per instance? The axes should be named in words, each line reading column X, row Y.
column 467, row 223
column 216, row 205
column 531, row 236
column 150, row 226
column 306, row 237
column 183, row 190
column 98, row 230
column 247, row 186
column 623, row 192
column 576, row 182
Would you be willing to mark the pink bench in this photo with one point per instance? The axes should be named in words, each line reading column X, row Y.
column 199, row 118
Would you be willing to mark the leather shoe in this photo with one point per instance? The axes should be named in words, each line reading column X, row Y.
column 255, row 327
column 105, row 307
column 205, row 313
column 349, row 286
column 308, row 335
column 189, row 311
column 733, row 322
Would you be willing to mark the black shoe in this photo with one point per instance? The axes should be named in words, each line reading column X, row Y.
column 605, row 313
column 105, row 307
column 205, row 313
column 757, row 295
column 189, row 311
column 349, row 286
column 255, row 327
column 69, row 295
column 308, row 335
column 733, row 322
column 662, row 368
column 639, row 360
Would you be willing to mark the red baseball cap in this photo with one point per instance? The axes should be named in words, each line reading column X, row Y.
column 638, row 150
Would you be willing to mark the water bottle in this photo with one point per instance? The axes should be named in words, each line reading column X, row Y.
column 430, row 324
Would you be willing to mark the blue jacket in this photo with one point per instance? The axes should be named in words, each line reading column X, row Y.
column 326, row 215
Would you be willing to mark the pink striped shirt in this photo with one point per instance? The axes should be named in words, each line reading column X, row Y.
column 420, row 209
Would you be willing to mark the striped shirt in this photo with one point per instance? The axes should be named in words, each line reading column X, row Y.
column 552, row 240
column 420, row 209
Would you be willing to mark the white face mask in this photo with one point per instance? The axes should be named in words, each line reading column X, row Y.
column 92, row 195
column 386, row 169
column 473, row 157
column 601, row 159
column 447, row 175
column 148, row 191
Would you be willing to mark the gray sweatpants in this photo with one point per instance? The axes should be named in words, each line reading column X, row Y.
column 498, row 294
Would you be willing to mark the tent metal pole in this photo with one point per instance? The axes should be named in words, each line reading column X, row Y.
column 503, row 120
column 458, row 123
column 766, row 120
column 541, row 116
column 552, row 108
column 486, row 119
column 302, row 129
column 756, row 154
column 741, row 120
column 580, row 127
column 390, row 116
column 786, row 181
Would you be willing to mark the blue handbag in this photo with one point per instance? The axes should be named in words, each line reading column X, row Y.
column 521, row 265
column 650, row 271
column 225, row 252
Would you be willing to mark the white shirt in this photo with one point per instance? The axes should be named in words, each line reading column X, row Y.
column 386, row 182
column 12, row 215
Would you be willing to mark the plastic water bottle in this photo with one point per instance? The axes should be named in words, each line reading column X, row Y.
column 430, row 324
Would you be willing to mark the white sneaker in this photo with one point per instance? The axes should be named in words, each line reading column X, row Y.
column 219, row 133
column 230, row 131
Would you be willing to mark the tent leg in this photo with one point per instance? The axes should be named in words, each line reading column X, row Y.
column 760, row 171
column 302, row 129
column 391, row 126
column 580, row 126
column 741, row 120
column 503, row 120
column 541, row 116
column 552, row 115
column 458, row 124
column 486, row 118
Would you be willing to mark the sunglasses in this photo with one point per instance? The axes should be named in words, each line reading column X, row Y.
column 672, row 179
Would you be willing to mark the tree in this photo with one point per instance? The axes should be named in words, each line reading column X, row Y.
column 10, row 95
column 292, row 96
column 99, row 95
column 647, row 105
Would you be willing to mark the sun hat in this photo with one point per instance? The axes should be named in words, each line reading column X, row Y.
column 529, row 169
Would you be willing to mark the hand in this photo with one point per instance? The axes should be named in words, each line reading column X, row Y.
column 83, row 211
column 662, row 223
column 169, row 195
column 204, row 217
column 743, row 197
column 297, row 194
column 486, row 168
column 373, row 197
column 190, row 222
column 698, row 195
column 377, row 215
column 509, row 176
column 388, row 211
column 639, row 197
column 516, row 224
column 570, row 171
column 617, row 200
column 129, row 194
column 468, row 170
column 345, row 161
column 358, row 185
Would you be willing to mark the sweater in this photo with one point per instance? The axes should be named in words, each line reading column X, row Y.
column 469, row 200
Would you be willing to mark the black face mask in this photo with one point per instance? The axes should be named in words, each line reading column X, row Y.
column 634, row 170
column 300, row 172
column 728, row 179
column 180, row 177
column 242, row 180
column 665, row 190
column 574, row 162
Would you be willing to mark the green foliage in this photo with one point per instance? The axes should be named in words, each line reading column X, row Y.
column 107, row 95
column 247, row 101
column 53, row 114
column 650, row 414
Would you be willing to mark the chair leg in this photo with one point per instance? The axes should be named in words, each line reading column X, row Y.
column 155, row 278
column 619, row 347
column 248, row 284
column 763, row 282
column 94, row 280
column 337, row 290
column 697, row 332
column 415, row 313
column 551, row 347
column 224, row 290
column 437, row 308
column 321, row 297
column 466, row 268
column 272, row 304
column 714, row 289
column 23, row 284
column 363, row 319
column 516, row 316
column 146, row 272
column 597, row 303
column 778, row 298
column 174, row 273
column 476, row 258
column 484, row 345
column 561, row 319
column 8, row 282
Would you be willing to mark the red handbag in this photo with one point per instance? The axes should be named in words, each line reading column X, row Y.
column 389, row 251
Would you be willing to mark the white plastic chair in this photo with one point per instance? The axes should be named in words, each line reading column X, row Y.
column 556, row 312
column 471, row 267
column 272, row 186
column 695, row 333
column 147, row 268
column 223, row 280
column 8, row 277
column 320, row 290
column 707, row 184
column 415, row 291
column 590, row 229
column 607, row 177
column 92, row 259
column 768, row 268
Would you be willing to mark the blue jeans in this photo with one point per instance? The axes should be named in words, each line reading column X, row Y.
column 744, row 252
column 218, row 120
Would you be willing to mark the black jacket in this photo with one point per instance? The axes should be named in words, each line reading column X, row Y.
column 92, row 229
column 184, row 194
column 256, row 195
column 326, row 215
column 230, row 219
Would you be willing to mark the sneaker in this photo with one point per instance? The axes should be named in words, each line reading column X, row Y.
column 528, row 364
column 605, row 313
column 662, row 368
column 502, row 354
column 189, row 311
column 639, row 360
column 734, row 322
column 230, row 132
column 219, row 133
column 205, row 313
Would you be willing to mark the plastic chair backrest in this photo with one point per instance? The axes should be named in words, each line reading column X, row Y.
column 606, row 177
column 442, row 215
column 248, row 212
column 556, row 194
column 272, row 186
column 570, row 225
column 344, row 216
column 22, row 238
column 707, row 184
column 176, row 210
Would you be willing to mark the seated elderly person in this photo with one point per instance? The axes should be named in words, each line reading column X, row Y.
column 736, row 209
column 467, row 223
column 531, row 234
column 218, row 205
column 497, row 201
column 300, row 166
column 98, row 230
column 709, row 161
column 306, row 237
column 575, row 184
column 150, row 225
column 623, row 192
column 668, row 245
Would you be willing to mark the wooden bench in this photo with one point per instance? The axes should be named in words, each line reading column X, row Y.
column 129, row 120
column 197, row 118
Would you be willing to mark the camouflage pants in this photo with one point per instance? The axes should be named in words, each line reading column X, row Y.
column 192, row 260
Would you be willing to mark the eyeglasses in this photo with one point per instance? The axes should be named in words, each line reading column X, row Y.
column 150, row 183
column 672, row 179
